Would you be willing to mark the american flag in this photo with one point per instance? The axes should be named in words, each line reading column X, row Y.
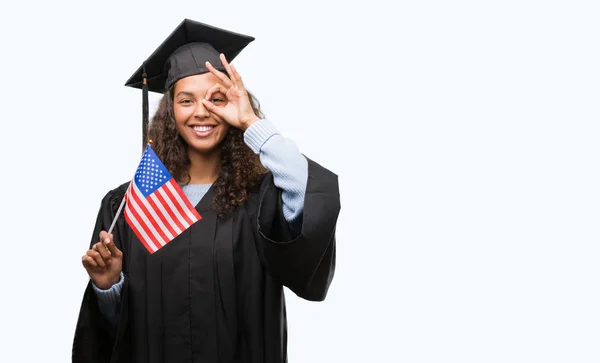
column 157, row 210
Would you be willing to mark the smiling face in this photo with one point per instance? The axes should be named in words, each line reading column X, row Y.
column 201, row 130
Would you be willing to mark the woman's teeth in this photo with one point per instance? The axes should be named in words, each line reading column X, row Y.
column 202, row 128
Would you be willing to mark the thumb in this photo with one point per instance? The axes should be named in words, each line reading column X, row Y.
column 104, row 237
column 213, row 108
column 114, row 250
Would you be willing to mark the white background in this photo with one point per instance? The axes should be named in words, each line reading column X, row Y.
column 464, row 133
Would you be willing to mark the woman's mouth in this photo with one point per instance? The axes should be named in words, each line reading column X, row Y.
column 203, row 131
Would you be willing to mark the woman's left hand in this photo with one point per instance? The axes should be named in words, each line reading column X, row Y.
column 238, row 112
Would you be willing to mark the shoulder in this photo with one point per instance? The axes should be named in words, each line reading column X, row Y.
column 114, row 196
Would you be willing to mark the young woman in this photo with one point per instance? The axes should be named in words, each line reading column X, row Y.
column 215, row 292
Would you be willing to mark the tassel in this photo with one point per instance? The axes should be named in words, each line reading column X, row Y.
column 144, row 107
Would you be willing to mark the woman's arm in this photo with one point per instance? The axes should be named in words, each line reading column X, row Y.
column 108, row 300
column 283, row 159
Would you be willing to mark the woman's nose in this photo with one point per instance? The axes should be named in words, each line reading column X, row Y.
column 201, row 111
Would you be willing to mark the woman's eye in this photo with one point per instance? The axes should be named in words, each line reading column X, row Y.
column 215, row 100
column 185, row 101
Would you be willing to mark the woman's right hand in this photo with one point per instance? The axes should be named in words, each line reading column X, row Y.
column 103, row 262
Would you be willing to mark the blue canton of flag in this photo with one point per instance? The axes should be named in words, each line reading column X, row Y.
column 151, row 173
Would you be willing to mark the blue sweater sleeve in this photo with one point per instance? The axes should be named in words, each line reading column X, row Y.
column 282, row 158
column 108, row 300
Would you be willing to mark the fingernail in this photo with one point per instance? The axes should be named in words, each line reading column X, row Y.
column 107, row 240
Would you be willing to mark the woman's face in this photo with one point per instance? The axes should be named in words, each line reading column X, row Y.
column 201, row 130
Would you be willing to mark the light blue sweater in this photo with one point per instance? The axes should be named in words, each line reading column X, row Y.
column 290, row 173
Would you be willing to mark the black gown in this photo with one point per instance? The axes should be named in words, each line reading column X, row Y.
column 214, row 293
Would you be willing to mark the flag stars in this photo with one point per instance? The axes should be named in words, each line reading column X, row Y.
column 151, row 173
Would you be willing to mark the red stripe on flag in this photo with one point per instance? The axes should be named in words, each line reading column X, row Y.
column 144, row 220
column 167, row 222
column 177, row 205
column 168, row 209
column 151, row 219
column 144, row 227
column 185, row 200
column 133, row 223
column 140, row 236
column 164, row 214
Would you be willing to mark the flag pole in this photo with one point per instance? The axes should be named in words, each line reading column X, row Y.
column 117, row 215
column 112, row 225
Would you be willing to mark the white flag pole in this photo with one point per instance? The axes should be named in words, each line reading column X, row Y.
column 117, row 215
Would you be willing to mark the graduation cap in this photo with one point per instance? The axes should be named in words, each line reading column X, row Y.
column 184, row 53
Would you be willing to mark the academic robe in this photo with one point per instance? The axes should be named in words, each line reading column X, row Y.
column 215, row 292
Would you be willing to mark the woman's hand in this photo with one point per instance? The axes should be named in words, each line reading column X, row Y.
column 103, row 262
column 238, row 112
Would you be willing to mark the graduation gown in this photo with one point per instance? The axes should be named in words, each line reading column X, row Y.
column 215, row 292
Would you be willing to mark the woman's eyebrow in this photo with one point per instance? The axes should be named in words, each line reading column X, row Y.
column 185, row 93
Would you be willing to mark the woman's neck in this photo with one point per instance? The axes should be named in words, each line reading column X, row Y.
column 204, row 168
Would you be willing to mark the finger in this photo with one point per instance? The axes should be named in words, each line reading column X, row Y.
column 213, row 108
column 220, row 75
column 237, row 77
column 228, row 68
column 104, row 237
column 88, row 262
column 214, row 89
column 114, row 250
column 96, row 247
column 103, row 250
column 96, row 256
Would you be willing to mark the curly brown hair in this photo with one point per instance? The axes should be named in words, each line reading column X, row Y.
column 240, row 168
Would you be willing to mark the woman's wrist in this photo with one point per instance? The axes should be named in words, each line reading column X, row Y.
column 109, row 283
column 247, row 124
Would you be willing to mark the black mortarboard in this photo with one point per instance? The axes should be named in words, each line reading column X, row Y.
column 183, row 54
